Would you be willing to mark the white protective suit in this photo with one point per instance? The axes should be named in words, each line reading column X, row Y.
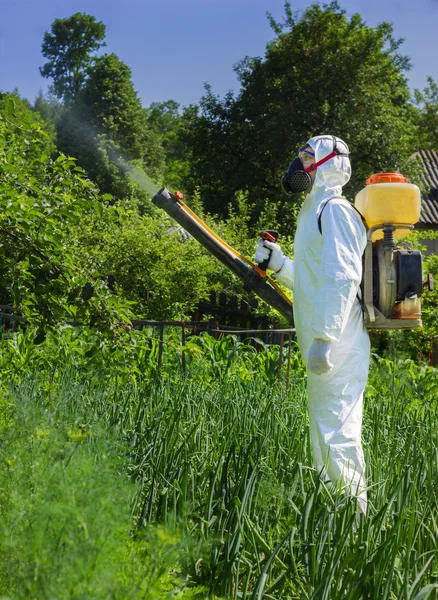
column 325, row 277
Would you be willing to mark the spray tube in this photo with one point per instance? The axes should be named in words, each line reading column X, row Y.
column 253, row 277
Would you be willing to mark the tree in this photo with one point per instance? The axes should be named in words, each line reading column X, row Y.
column 106, row 128
column 68, row 49
column 111, row 105
column 41, row 200
column 49, row 108
column 322, row 73
column 167, row 123
column 427, row 102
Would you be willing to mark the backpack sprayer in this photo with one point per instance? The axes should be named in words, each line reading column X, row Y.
column 254, row 277
column 392, row 282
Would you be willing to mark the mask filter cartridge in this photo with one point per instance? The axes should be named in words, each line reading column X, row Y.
column 296, row 180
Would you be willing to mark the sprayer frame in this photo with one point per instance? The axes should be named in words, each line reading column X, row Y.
column 374, row 319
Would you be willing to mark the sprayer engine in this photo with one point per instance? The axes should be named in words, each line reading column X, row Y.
column 392, row 282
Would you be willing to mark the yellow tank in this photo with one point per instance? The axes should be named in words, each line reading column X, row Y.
column 389, row 198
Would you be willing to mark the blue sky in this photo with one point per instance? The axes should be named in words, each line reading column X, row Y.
column 174, row 46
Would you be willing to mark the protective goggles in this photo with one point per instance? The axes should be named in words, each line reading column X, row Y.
column 305, row 154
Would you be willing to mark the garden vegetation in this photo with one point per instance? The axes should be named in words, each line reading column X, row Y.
column 122, row 476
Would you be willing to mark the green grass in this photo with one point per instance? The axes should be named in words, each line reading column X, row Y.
column 173, row 486
column 66, row 528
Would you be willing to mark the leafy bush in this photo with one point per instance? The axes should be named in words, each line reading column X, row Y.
column 40, row 200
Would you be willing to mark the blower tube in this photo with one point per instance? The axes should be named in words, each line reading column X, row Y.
column 251, row 279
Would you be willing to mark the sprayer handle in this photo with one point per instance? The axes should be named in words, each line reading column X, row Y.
column 270, row 236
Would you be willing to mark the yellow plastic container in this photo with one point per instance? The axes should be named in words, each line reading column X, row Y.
column 389, row 198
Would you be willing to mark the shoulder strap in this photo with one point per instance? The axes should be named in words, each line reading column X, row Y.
column 325, row 204
column 320, row 215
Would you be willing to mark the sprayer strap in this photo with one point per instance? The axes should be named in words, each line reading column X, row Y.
column 231, row 249
column 325, row 204
column 359, row 291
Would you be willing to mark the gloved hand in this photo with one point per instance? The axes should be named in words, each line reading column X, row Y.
column 262, row 253
column 319, row 355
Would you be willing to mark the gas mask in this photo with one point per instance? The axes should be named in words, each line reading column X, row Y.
column 297, row 179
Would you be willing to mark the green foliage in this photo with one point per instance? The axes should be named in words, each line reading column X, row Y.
column 427, row 102
column 62, row 245
column 40, row 200
column 68, row 49
column 106, row 129
column 154, row 264
column 65, row 507
column 49, row 108
column 163, row 276
column 110, row 104
column 323, row 73
column 231, row 356
column 167, row 124
column 21, row 118
column 223, row 498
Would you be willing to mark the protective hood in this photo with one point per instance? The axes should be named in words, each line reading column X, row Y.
column 332, row 175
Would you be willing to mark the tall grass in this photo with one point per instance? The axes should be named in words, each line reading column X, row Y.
column 222, row 464
column 66, row 528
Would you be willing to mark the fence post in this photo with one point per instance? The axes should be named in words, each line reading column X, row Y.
column 280, row 357
column 288, row 361
column 183, row 343
column 160, row 348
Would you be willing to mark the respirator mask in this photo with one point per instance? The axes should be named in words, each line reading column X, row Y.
column 297, row 178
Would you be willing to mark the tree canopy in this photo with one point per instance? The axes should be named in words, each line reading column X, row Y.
column 76, row 205
column 69, row 49
column 106, row 129
column 323, row 73
column 427, row 102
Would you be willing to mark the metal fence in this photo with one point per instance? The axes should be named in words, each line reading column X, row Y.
column 281, row 337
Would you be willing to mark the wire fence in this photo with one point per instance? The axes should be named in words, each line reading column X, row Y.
column 271, row 336
column 283, row 338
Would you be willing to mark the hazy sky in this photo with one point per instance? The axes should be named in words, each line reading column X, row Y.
column 174, row 46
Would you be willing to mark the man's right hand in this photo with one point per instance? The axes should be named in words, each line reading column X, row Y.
column 262, row 253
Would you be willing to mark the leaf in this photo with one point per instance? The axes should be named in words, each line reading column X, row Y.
column 87, row 291
column 9, row 107
column 9, row 168
column 425, row 593
column 98, row 208
column 40, row 336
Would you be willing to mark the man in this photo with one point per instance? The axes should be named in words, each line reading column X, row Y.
column 325, row 277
